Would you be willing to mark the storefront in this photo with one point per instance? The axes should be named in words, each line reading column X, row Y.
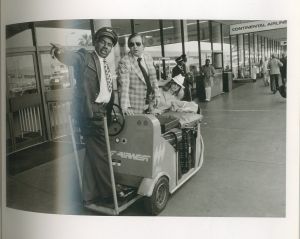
column 39, row 87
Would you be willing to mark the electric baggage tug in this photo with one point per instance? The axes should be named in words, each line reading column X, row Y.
column 151, row 157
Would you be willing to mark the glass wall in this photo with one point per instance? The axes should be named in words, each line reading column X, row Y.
column 67, row 33
column 241, row 56
column 21, row 77
column 251, row 43
column 192, row 49
column 123, row 29
column 72, row 34
column 19, row 35
column 205, row 42
column 258, row 48
column 216, row 36
column 172, row 43
column 217, row 45
column 247, row 58
column 152, row 40
column 255, row 48
column 262, row 48
column 226, row 47
column 234, row 55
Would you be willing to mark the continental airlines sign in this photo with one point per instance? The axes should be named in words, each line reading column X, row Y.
column 256, row 26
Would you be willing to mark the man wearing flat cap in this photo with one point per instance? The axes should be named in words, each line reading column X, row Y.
column 93, row 99
column 180, row 69
column 180, row 66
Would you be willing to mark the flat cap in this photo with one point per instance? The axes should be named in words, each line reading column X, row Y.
column 181, row 58
column 106, row 32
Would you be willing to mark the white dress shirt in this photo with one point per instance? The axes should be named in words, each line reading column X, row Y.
column 104, row 94
column 143, row 63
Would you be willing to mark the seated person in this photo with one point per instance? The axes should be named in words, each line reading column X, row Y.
column 170, row 98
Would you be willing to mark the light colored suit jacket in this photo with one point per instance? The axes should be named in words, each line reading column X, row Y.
column 274, row 66
column 132, row 83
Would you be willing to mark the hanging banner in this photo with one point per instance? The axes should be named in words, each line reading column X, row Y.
column 256, row 26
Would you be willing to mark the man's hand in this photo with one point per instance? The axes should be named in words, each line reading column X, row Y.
column 128, row 111
column 55, row 50
column 156, row 111
column 156, row 102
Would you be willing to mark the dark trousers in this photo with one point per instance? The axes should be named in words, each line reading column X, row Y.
column 96, row 175
column 275, row 78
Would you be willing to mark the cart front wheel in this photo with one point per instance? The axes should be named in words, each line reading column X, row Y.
column 158, row 201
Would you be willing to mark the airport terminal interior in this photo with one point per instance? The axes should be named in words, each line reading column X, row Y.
column 243, row 126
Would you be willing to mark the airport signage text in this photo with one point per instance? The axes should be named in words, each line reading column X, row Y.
column 256, row 26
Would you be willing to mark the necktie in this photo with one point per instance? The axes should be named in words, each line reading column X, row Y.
column 107, row 76
column 147, row 80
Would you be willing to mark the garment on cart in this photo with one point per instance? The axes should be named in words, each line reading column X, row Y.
column 172, row 102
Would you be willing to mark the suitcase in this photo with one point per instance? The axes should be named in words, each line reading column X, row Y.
column 282, row 91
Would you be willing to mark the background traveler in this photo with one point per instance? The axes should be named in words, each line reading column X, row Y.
column 283, row 68
column 274, row 66
column 208, row 72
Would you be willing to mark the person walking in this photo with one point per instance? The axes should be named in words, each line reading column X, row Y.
column 92, row 100
column 137, row 78
column 274, row 66
column 283, row 68
column 208, row 72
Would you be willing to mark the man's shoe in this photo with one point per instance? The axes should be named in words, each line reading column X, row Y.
column 90, row 202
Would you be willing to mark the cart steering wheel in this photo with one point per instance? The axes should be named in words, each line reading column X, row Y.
column 117, row 121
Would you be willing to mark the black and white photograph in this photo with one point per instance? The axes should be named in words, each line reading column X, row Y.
column 195, row 113
column 138, row 123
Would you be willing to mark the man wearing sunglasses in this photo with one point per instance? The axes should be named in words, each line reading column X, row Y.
column 92, row 100
column 138, row 82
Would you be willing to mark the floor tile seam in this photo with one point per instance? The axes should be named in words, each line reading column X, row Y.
column 248, row 161
column 240, row 186
column 32, row 186
column 41, row 190
column 54, row 161
column 243, row 129
column 240, row 110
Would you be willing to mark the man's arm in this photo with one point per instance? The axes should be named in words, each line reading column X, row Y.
column 153, row 79
column 213, row 71
column 65, row 56
column 280, row 63
column 123, row 71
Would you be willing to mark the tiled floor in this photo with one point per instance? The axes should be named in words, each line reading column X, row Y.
column 243, row 174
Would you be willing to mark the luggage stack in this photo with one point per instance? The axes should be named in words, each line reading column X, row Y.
column 186, row 154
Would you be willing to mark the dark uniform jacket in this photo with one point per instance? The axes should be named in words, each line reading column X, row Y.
column 87, row 73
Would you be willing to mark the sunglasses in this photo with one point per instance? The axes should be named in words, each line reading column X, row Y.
column 131, row 44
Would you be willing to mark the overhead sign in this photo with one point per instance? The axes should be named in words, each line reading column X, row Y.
column 256, row 26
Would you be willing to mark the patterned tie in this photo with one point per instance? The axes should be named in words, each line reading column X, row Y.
column 147, row 80
column 107, row 75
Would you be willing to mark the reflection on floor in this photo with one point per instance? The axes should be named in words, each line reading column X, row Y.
column 243, row 174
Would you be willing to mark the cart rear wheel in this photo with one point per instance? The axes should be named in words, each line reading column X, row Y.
column 158, row 201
